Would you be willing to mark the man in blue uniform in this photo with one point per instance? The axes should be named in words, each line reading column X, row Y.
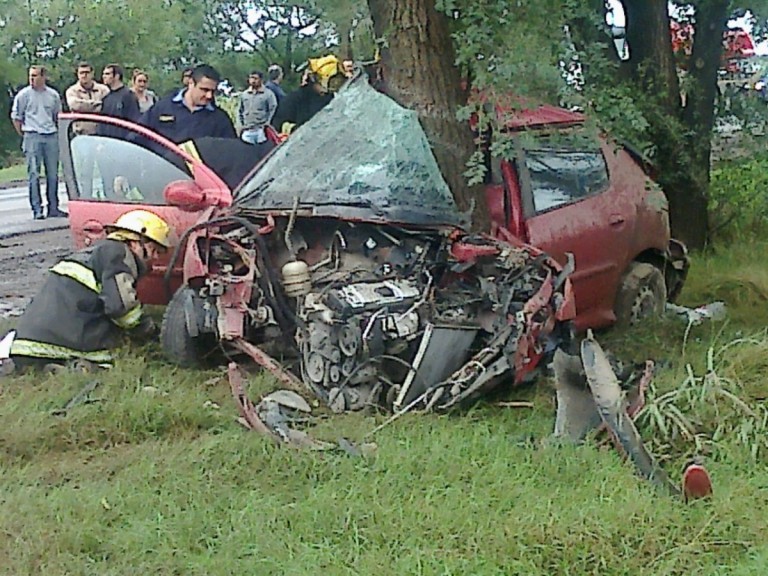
column 191, row 113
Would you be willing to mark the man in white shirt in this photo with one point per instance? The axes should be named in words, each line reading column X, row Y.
column 257, row 107
column 35, row 116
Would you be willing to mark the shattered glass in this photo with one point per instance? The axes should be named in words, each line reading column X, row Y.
column 362, row 156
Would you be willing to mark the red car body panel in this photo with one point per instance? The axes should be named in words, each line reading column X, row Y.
column 605, row 232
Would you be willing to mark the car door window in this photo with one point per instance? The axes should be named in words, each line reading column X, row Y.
column 114, row 170
column 565, row 172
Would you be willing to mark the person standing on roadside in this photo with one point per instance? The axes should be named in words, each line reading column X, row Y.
column 85, row 95
column 256, row 109
column 191, row 112
column 274, row 78
column 140, row 87
column 186, row 81
column 35, row 116
column 119, row 103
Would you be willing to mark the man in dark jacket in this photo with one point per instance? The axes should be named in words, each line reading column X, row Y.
column 119, row 103
column 191, row 112
column 89, row 298
column 312, row 96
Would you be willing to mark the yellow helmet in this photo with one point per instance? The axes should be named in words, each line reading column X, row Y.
column 137, row 223
column 324, row 68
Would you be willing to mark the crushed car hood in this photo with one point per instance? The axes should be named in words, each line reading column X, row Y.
column 362, row 157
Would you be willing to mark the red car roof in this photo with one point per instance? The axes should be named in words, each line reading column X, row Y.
column 543, row 115
column 516, row 113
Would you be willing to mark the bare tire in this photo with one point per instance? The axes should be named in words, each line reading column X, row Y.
column 179, row 344
column 642, row 294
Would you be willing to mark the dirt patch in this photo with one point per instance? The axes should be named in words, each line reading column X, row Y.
column 25, row 260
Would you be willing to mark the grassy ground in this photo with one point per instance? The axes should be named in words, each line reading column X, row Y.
column 13, row 173
column 157, row 480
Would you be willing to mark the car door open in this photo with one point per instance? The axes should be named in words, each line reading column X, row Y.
column 106, row 177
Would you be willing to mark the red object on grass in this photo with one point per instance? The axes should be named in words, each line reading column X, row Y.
column 696, row 482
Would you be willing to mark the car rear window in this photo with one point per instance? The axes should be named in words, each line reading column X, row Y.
column 115, row 170
column 564, row 171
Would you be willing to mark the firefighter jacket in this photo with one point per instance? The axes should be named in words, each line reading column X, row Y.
column 84, row 304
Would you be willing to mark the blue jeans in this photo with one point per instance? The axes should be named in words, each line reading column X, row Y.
column 42, row 149
column 255, row 136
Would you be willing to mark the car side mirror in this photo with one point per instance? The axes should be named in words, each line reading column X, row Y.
column 186, row 195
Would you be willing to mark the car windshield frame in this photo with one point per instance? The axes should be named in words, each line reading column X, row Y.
column 379, row 167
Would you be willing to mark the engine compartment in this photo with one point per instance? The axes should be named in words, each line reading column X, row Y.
column 370, row 314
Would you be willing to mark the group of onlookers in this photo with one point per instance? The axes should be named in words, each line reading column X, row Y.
column 185, row 114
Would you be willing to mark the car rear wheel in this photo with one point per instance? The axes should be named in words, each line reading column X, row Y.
column 642, row 294
column 182, row 342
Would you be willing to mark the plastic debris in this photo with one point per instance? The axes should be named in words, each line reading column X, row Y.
column 715, row 311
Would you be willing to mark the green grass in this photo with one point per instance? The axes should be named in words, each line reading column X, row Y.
column 13, row 173
column 154, row 481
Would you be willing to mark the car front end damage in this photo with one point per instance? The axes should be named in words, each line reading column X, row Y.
column 346, row 271
column 372, row 314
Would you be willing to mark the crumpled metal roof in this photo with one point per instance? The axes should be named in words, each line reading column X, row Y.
column 361, row 157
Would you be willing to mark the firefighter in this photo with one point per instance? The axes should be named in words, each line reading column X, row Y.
column 89, row 298
column 321, row 78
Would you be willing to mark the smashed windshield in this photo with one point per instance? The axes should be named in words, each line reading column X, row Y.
column 362, row 156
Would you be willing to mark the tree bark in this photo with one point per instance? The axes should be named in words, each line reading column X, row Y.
column 419, row 73
column 650, row 49
column 682, row 139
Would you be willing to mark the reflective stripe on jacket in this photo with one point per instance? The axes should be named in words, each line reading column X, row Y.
column 87, row 278
column 21, row 347
column 83, row 306
column 78, row 272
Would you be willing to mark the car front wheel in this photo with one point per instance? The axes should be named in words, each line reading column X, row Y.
column 182, row 342
column 642, row 294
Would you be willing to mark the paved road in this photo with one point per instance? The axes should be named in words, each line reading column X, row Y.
column 16, row 215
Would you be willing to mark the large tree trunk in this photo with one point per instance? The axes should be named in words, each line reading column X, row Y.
column 650, row 49
column 699, row 113
column 655, row 74
column 419, row 73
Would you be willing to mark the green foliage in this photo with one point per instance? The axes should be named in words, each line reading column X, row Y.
column 739, row 193
column 501, row 46
column 9, row 140
column 703, row 410
column 13, row 173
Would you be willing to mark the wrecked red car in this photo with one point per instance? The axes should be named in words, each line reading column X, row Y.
column 566, row 189
column 562, row 189
column 344, row 255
